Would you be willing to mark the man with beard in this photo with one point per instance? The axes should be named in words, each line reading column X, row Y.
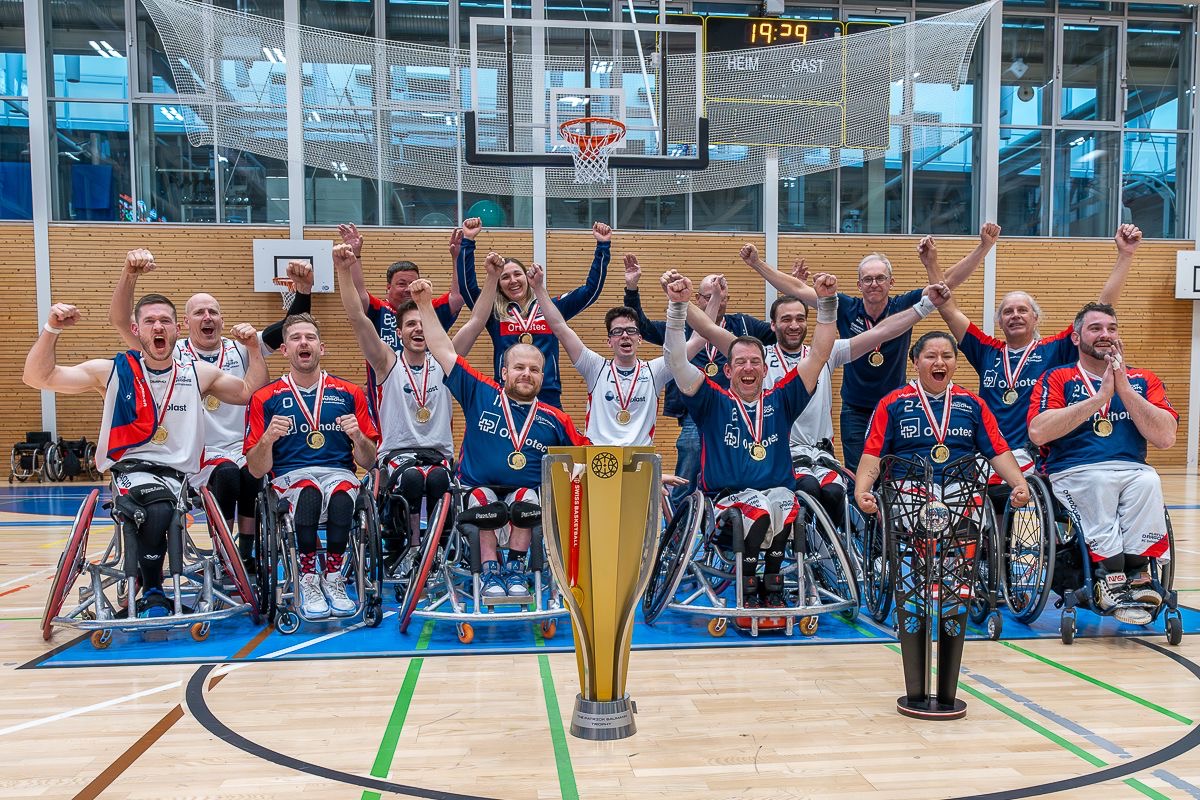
column 508, row 432
column 308, row 430
column 152, row 430
column 1092, row 420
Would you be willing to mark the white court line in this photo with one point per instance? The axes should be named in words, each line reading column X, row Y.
column 30, row 575
column 221, row 670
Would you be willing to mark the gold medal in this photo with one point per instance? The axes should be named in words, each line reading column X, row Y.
column 423, row 414
column 940, row 453
column 875, row 359
column 212, row 403
column 516, row 460
column 1103, row 427
column 316, row 440
column 1009, row 397
column 623, row 417
column 526, row 338
column 160, row 436
column 711, row 369
column 758, row 452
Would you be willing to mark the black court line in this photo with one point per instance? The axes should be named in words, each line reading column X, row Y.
column 198, row 706
column 1189, row 741
column 37, row 661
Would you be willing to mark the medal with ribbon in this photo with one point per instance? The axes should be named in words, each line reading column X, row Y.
column 524, row 324
column 1103, row 426
column 1011, row 374
column 423, row 414
column 940, row 452
column 315, row 439
column 623, row 416
column 211, row 403
column 711, row 368
column 160, row 409
column 758, row 450
column 875, row 359
column 516, row 459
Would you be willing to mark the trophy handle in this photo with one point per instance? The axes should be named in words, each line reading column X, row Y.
column 553, row 545
column 650, row 539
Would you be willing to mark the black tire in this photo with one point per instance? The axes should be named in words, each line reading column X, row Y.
column 876, row 575
column 70, row 563
column 53, row 466
column 831, row 566
column 1174, row 625
column 226, row 551
column 671, row 560
column 266, row 543
column 1066, row 628
column 1030, row 545
column 439, row 518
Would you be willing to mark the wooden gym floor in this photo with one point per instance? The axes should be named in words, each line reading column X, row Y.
column 1110, row 716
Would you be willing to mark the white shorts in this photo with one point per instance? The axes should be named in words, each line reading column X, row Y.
column 964, row 502
column 823, row 474
column 129, row 480
column 778, row 504
column 326, row 480
column 1024, row 461
column 482, row 496
column 1119, row 510
column 211, row 460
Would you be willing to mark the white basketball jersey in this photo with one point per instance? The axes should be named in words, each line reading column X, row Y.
column 816, row 421
column 182, row 419
column 224, row 424
column 611, row 391
column 399, row 408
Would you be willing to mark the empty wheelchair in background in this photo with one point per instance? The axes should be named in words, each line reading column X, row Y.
column 445, row 582
column 278, row 560
column 28, row 458
column 71, row 458
column 699, row 559
column 201, row 585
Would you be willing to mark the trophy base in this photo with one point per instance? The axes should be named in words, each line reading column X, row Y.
column 930, row 708
column 603, row 720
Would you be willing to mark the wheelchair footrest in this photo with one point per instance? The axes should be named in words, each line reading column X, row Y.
column 525, row 602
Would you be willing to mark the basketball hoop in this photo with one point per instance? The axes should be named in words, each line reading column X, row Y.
column 287, row 290
column 591, row 150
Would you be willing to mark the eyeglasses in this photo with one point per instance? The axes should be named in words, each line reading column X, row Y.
column 704, row 297
column 874, row 280
column 630, row 331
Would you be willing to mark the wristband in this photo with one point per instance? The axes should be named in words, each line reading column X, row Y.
column 827, row 310
column 924, row 308
column 48, row 328
column 676, row 314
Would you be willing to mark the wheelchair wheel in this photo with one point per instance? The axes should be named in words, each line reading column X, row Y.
column 371, row 592
column 423, row 566
column 70, row 563
column 871, row 545
column 825, row 557
column 673, row 553
column 266, row 544
column 1166, row 572
column 987, row 571
column 226, row 551
column 89, row 460
column 54, row 466
column 1030, row 542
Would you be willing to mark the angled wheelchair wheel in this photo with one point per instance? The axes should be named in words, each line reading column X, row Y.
column 226, row 550
column 70, row 563
column 674, row 550
column 54, row 466
column 424, row 565
column 367, row 520
column 1166, row 572
column 89, row 461
column 870, row 544
column 987, row 589
column 826, row 559
column 1030, row 538
column 266, row 544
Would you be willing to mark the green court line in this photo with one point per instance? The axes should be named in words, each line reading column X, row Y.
column 562, row 754
column 1097, row 682
column 1146, row 790
column 865, row 631
column 17, row 619
column 391, row 734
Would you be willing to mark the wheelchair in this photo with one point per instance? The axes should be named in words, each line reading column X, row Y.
column 700, row 557
column 445, row 582
column 1064, row 566
column 277, row 557
column 203, row 585
column 69, row 458
column 28, row 458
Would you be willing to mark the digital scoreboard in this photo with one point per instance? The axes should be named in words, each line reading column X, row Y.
column 739, row 33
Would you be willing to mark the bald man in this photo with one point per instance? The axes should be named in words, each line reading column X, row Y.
column 223, row 468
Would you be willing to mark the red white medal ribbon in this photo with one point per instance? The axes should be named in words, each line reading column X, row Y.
column 313, row 419
column 939, row 431
column 867, row 322
column 424, row 392
column 524, row 324
column 1087, row 386
column 624, row 402
column 756, row 428
column 160, row 409
column 711, row 352
column 197, row 357
column 518, row 442
column 785, row 362
column 1012, row 374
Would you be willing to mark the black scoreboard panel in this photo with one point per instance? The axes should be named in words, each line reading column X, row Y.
column 740, row 33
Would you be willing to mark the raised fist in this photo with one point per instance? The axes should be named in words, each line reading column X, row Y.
column 349, row 425
column 343, row 258
column 989, row 233
column 244, row 333
column 421, row 291
column 140, row 261
column 471, row 227
column 602, row 232
column 537, row 275
column 301, row 273
column 927, row 250
column 749, row 254
column 63, row 315
column 633, row 271
column 494, row 263
column 938, row 293
column 352, row 237
column 825, row 284
column 1128, row 239
column 456, row 237
column 277, row 428
column 679, row 290
column 669, row 277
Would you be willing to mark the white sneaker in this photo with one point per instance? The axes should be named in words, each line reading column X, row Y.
column 334, row 586
column 312, row 599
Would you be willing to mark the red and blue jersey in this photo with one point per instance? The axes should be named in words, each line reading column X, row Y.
column 726, row 440
column 863, row 385
column 292, row 450
column 487, row 442
column 987, row 353
column 1064, row 387
column 505, row 333
column 387, row 325
column 900, row 427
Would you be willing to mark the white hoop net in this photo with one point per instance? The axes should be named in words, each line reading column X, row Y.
column 591, row 150
column 287, row 290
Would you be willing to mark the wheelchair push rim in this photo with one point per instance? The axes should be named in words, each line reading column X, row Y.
column 70, row 563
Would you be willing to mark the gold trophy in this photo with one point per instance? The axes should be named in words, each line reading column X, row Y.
column 601, row 518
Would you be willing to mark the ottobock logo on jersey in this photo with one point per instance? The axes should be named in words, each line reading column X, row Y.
column 909, row 428
column 489, row 422
column 733, row 434
column 989, row 378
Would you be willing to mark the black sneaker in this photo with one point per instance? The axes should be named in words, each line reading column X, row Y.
column 771, row 591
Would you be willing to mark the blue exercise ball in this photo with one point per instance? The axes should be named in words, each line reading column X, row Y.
column 488, row 211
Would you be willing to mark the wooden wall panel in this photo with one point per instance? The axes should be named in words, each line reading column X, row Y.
column 18, row 315
column 86, row 259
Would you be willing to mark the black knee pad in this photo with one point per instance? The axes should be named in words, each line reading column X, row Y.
column 437, row 483
column 1134, row 563
column 411, row 484
column 339, row 517
column 524, row 514
column 486, row 517
column 248, row 487
column 225, row 485
column 306, row 516
column 758, row 532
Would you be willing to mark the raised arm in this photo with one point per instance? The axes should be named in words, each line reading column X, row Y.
column 41, row 365
column 381, row 357
column 464, row 340
column 554, row 318
column 688, row 377
column 957, row 321
column 579, row 298
column 436, row 338
column 351, row 236
column 708, row 328
column 301, row 273
column 464, row 264
column 652, row 331
column 1055, row 422
column 1128, row 239
column 224, row 386
column 455, row 298
column 988, row 235
column 788, row 284
column 809, row 368
column 936, row 296
column 120, row 311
